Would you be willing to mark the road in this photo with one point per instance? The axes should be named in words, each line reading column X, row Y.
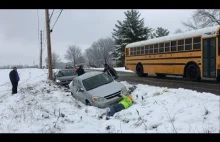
column 208, row 86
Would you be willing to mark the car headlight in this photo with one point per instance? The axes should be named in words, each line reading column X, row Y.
column 57, row 80
column 124, row 91
column 98, row 99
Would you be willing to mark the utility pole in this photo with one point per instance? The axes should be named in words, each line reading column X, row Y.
column 50, row 71
column 41, row 52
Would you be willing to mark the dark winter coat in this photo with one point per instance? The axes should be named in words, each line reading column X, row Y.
column 111, row 71
column 80, row 71
column 14, row 77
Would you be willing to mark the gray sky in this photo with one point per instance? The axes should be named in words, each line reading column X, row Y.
column 19, row 43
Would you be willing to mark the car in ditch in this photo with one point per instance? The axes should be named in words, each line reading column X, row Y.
column 97, row 89
column 64, row 76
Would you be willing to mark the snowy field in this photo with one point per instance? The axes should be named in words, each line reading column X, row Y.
column 122, row 69
column 42, row 107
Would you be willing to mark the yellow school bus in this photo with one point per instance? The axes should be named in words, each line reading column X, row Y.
column 193, row 54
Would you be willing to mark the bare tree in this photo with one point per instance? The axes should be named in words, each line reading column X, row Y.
column 55, row 59
column 81, row 60
column 73, row 54
column 178, row 31
column 202, row 18
column 100, row 52
column 90, row 58
column 191, row 24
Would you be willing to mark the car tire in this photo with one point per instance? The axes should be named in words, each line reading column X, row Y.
column 88, row 103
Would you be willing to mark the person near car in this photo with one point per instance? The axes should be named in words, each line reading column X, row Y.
column 110, row 71
column 125, row 103
column 80, row 70
column 14, row 78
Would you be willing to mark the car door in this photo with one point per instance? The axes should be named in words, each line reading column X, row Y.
column 80, row 95
column 74, row 88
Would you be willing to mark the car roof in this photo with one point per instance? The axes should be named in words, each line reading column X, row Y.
column 89, row 74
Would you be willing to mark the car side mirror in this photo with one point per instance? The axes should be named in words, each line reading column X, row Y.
column 81, row 90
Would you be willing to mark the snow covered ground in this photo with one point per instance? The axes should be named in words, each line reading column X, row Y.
column 122, row 69
column 42, row 107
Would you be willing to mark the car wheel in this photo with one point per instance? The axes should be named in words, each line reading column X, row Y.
column 140, row 70
column 88, row 103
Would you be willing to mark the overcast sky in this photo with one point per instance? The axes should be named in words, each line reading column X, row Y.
column 19, row 43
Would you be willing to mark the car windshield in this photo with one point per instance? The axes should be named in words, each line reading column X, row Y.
column 67, row 72
column 96, row 81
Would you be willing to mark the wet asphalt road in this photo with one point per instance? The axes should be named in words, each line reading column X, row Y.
column 209, row 86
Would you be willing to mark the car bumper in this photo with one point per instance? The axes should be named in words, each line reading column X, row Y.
column 107, row 103
column 63, row 83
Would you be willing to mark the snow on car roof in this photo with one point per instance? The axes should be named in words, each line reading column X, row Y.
column 210, row 31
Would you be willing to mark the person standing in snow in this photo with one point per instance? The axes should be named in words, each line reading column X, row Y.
column 14, row 78
column 110, row 70
column 80, row 70
column 125, row 103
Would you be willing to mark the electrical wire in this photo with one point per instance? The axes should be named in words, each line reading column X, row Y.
column 38, row 24
column 51, row 14
column 56, row 20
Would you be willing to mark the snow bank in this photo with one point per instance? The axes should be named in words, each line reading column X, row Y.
column 42, row 107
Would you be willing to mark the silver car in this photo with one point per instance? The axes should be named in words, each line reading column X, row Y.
column 64, row 76
column 97, row 89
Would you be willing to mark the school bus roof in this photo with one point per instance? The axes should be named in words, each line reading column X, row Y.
column 205, row 32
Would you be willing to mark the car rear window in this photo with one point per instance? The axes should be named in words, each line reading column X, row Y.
column 68, row 72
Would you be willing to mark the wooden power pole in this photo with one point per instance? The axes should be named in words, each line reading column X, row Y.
column 49, row 57
column 41, row 52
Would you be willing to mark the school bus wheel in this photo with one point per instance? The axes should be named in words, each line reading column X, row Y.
column 193, row 72
column 140, row 70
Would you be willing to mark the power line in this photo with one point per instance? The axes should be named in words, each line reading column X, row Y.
column 38, row 24
column 51, row 14
column 56, row 21
column 57, row 11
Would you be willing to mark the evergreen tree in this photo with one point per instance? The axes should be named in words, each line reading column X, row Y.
column 130, row 30
column 161, row 32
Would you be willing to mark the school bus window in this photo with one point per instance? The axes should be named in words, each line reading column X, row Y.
column 151, row 49
column 146, row 49
column 155, row 48
column 161, row 47
column 173, row 45
column 188, row 44
column 127, row 53
column 196, row 43
column 138, row 50
column 135, row 50
column 167, row 47
column 142, row 50
column 180, row 45
column 131, row 51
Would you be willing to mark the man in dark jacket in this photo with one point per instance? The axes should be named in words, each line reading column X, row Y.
column 80, row 70
column 111, row 71
column 14, row 78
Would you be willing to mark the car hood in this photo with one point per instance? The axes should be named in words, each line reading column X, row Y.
column 64, row 78
column 106, row 89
